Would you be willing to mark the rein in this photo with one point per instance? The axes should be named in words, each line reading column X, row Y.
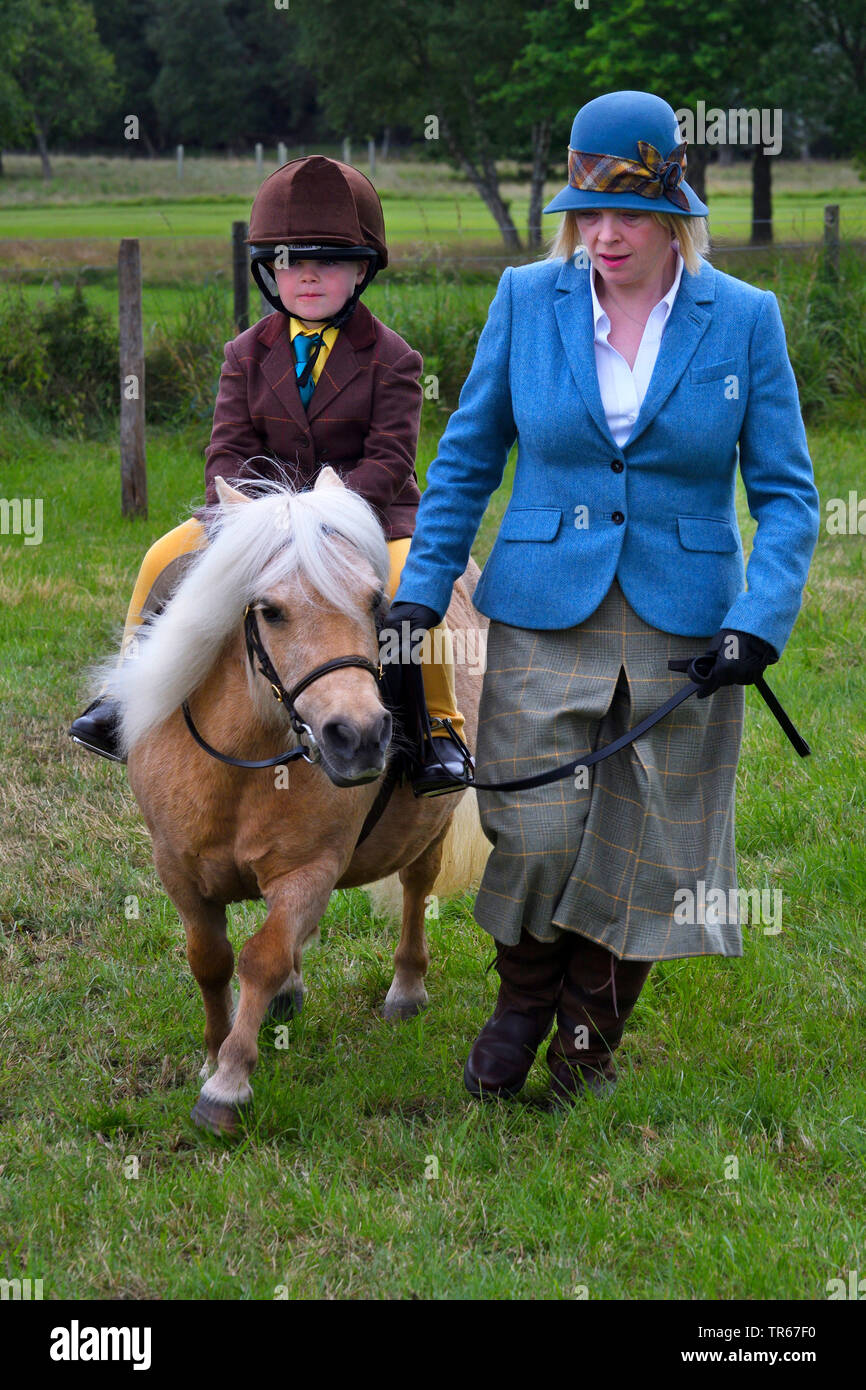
column 557, row 774
column 256, row 652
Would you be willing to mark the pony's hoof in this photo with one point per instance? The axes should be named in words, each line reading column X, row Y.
column 398, row 1011
column 285, row 1006
column 216, row 1116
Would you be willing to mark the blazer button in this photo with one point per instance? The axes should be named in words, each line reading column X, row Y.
column 617, row 518
column 617, row 465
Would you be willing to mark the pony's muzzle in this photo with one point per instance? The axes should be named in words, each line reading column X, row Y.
column 354, row 752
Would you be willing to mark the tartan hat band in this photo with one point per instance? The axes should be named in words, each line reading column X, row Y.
column 652, row 176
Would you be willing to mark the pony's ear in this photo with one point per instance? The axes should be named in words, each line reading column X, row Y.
column 328, row 478
column 228, row 495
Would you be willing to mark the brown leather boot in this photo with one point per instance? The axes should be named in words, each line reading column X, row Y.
column 598, row 993
column 530, row 975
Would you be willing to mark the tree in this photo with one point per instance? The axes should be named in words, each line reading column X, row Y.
column 546, row 86
column 734, row 54
column 409, row 68
column 202, row 80
column 836, row 32
column 122, row 30
column 58, row 72
column 14, row 124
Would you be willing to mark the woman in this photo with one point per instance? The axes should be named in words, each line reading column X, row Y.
column 631, row 373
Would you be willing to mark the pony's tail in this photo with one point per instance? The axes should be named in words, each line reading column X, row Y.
column 464, row 855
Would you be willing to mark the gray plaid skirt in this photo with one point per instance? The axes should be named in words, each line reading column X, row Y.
column 625, row 852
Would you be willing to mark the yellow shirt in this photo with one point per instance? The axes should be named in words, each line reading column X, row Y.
column 329, row 336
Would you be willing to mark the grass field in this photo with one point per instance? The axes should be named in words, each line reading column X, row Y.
column 758, row 1058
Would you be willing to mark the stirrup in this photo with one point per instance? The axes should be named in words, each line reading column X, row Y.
column 454, row 781
column 414, row 704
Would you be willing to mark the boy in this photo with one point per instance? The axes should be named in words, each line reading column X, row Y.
column 321, row 381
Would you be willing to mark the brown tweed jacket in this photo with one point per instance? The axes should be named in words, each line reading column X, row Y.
column 362, row 419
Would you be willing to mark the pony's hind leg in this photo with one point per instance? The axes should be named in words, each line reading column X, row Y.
column 407, row 995
column 288, row 1001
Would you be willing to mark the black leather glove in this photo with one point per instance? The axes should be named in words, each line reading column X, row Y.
column 732, row 658
column 403, row 685
column 416, row 615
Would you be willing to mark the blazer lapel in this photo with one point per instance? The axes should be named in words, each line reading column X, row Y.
column 342, row 364
column 687, row 323
column 278, row 367
column 573, row 308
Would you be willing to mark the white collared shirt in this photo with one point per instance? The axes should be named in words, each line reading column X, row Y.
column 622, row 387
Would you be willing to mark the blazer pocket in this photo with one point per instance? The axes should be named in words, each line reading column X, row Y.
column 530, row 524
column 714, row 372
column 707, row 533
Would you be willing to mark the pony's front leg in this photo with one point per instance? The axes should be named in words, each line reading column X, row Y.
column 296, row 904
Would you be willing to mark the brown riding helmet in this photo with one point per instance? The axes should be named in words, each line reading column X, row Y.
column 316, row 202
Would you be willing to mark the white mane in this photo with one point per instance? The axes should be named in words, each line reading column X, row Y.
column 281, row 535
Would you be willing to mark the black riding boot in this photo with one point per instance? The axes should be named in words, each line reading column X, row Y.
column 530, row 975
column 598, row 993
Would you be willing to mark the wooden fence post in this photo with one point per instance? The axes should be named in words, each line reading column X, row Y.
column 260, row 158
column 133, row 461
column 241, row 275
column 180, row 163
column 282, row 156
column 831, row 237
column 347, row 150
column 371, row 155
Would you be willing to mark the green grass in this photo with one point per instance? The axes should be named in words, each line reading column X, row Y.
column 759, row 1058
column 797, row 217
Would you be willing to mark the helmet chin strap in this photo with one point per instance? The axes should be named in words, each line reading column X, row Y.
column 336, row 320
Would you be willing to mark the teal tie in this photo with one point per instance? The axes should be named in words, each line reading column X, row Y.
column 303, row 348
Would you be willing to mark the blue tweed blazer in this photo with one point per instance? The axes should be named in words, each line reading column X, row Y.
column 658, row 513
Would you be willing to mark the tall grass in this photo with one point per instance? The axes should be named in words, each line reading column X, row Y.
column 58, row 351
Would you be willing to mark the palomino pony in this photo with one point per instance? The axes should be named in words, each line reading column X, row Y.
column 314, row 567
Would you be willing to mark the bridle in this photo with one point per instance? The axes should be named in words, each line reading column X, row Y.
column 257, row 652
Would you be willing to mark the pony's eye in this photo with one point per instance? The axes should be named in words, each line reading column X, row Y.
column 271, row 615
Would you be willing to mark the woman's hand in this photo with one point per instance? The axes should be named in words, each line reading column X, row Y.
column 732, row 658
column 416, row 615
column 403, row 684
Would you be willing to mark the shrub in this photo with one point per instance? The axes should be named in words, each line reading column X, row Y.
column 183, row 361
column 58, row 358
column 825, row 325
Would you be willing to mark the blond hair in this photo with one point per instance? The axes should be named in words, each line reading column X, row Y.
column 690, row 232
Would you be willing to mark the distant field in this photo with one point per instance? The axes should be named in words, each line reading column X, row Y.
column 77, row 219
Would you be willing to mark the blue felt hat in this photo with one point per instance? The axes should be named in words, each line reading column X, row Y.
column 642, row 130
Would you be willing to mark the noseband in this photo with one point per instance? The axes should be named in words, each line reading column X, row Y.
column 256, row 652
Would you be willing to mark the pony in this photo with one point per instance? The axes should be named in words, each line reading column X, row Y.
column 311, row 567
